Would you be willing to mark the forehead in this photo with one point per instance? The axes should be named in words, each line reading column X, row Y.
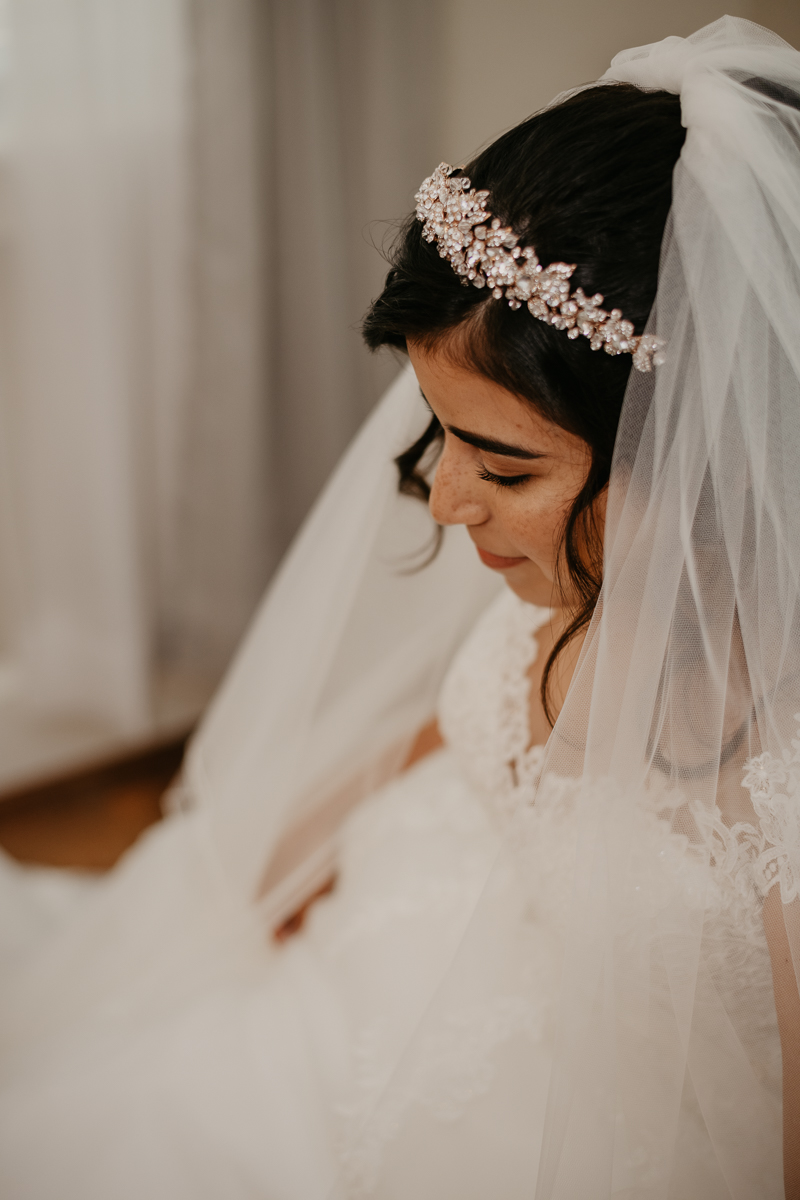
column 463, row 398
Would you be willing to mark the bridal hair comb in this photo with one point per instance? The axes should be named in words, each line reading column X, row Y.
column 487, row 254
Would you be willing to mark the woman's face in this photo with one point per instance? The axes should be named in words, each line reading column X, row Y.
column 506, row 472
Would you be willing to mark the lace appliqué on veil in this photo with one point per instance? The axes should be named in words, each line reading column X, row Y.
column 774, row 786
column 749, row 861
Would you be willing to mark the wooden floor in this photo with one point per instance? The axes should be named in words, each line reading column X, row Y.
column 89, row 819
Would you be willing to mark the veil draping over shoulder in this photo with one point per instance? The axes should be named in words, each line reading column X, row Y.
column 608, row 1024
column 341, row 667
column 662, row 1045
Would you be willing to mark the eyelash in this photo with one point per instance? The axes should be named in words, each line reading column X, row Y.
column 506, row 481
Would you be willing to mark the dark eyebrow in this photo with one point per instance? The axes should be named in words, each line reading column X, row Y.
column 493, row 447
column 487, row 444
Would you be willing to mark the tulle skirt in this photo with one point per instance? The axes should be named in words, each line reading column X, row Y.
column 158, row 1043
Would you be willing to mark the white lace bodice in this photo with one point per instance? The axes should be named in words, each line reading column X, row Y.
column 483, row 706
column 483, row 715
column 489, row 770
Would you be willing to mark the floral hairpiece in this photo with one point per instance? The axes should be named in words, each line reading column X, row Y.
column 487, row 254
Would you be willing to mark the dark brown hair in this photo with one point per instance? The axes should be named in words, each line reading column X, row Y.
column 588, row 181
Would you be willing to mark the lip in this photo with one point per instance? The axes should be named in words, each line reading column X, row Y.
column 497, row 561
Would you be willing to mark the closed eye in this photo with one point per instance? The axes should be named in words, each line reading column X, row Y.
column 502, row 480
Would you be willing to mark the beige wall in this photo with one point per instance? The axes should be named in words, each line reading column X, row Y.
column 506, row 58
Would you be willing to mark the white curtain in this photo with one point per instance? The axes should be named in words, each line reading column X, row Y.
column 94, row 177
column 185, row 193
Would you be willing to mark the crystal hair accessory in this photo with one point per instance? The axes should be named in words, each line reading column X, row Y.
column 487, row 254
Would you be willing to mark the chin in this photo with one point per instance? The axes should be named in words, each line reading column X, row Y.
column 538, row 591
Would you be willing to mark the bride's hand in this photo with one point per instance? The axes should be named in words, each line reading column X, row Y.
column 294, row 923
column 427, row 740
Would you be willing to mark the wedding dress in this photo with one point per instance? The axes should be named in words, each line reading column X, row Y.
column 543, row 970
column 255, row 1086
column 252, row 1087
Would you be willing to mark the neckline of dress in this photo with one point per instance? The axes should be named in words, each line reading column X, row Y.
column 525, row 757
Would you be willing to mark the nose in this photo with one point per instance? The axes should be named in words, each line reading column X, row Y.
column 456, row 495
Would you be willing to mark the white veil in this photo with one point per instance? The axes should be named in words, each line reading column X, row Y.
column 340, row 670
column 661, row 1051
column 631, row 890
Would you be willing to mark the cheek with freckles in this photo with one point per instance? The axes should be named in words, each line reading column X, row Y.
column 533, row 530
column 530, row 521
column 506, row 472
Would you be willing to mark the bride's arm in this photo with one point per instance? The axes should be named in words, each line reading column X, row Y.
column 787, row 1006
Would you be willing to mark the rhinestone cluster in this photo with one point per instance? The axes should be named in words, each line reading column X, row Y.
column 487, row 254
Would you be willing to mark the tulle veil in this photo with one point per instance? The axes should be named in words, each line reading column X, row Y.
column 677, row 748
column 687, row 689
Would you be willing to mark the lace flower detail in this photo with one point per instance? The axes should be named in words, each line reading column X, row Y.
column 762, row 774
column 778, row 812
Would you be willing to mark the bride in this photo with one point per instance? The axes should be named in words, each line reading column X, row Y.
column 485, row 882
